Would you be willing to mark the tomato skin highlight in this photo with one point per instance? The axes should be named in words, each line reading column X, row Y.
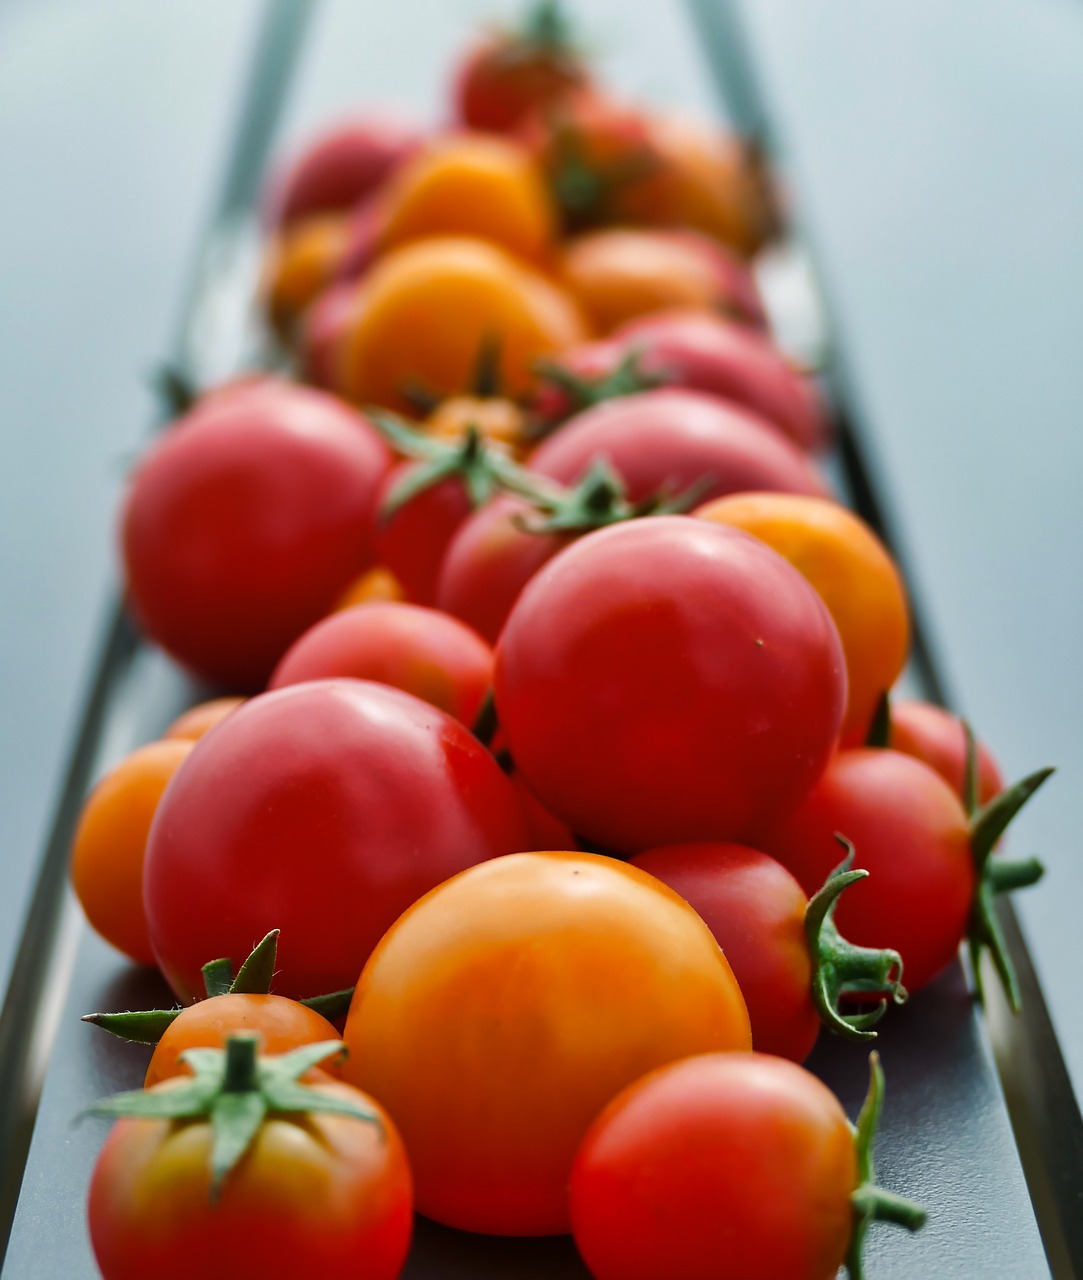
column 329, row 1195
column 664, row 681
column 756, row 911
column 502, row 1011
column 910, row 832
column 720, row 1167
column 324, row 809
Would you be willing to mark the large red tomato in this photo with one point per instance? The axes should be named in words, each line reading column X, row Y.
column 323, row 809
column 662, row 682
column 244, row 523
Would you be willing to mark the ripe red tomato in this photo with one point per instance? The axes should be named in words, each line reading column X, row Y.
column 664, row 680
column 436, row 658
column 678, row 438
column 325, row 810
column 723, row 1167
column 245, row 521
column 930, row 733
column 501, row 1012
column 412, row 539
column 316, row 1193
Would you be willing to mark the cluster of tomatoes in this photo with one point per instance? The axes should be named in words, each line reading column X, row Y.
column 574, row 745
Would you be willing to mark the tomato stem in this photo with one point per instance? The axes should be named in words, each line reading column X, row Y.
column 871, row 1203
column 583, row 392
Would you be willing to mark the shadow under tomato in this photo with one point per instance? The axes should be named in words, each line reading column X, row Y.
column 440, row 1253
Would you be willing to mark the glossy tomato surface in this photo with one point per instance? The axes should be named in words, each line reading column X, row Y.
column 500, row 1014
column 929, row 733
column 721, row 1167
column 665, row 680
column 245, row 521
column 316, row 1194
column 412, row 539
column 324, row 810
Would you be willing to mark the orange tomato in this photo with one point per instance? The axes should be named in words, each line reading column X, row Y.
column 424, row 311
column 470, row 185
column 854, row 575
column 301, row 261
column 376, row 585
column 202, row 719
column 504, row 1009
column 110, row 843
column 282, row 1025
column 496, row 419
column 620, row 274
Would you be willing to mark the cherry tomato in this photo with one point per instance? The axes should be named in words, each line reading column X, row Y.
column 110, row 844
column 934, row 735
column 315, row 1194
column 301, row 262
column 280, row 1023
column 470, row 185
column 720, row 1167
column 319, row 332
column 340, row 167
column 201, row 719
column 665, row 680
column 621, row 274
column 412, row 539
column 324, row 809
column 504, row 1009
column 436, row 658
column 495, row 418
column 244, row 523
column 544, row 829
column 910, row 832
column 676, row 439
column 854, row 575
column 424, row 310
column 370, row 587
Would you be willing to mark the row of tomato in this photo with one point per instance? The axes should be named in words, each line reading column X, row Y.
column 595, row 597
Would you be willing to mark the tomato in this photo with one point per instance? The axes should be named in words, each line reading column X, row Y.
column 665, row 680
column 340, row 167
column 436, row 658
column 504, row 1009
column 621, row 274
column 495, row 418
column 324, row 809
column 854, row 575
column 470, row 185
column 544, row 829
column 201, row 719
column 245, row 521
column 510, row 74
column 319, row 332
column 110, row 843
column 424, row 310
column 411, row 539
column 726, row 1167
column 313, row 1192
column 281, row 1025
column 910, row 832
column 934, row 735
column 300, row 262
column 370, row 587
column 676, row 439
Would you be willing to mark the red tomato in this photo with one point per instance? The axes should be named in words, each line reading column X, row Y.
column 934, row 735
column 325, row 810
column 316, row 1194
column 544, row 829
column 910, row 832
column 411, row 541
column 424, row 652
column 662, row 682
column 244, row 523
column 677, row 439
column 501, row 1012
column 339, row 167
column 720, row 1167
column 756, row 911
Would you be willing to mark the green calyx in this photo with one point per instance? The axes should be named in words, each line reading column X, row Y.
column 175, row 390
column 547, row 27
column 995, row 875
column 839, row 968
column 583, row 188
column 584, row 392
column 872, row 1203
column 236, row 1089
column 147, row 1026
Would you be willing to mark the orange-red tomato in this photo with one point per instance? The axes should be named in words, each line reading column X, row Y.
column 424, row 311
column 501, row 1012
column 316, row 1194
column 193, row 724
column 497, row 419
column 853, row 573
column 374, row 585
column 111, row 840
column 509, row 74
column 935, row 736
column 282, row 1025
column 470, row 185
column 301, row 261
column 427, row 653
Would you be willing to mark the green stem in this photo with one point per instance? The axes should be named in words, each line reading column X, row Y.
column 240, row 1075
